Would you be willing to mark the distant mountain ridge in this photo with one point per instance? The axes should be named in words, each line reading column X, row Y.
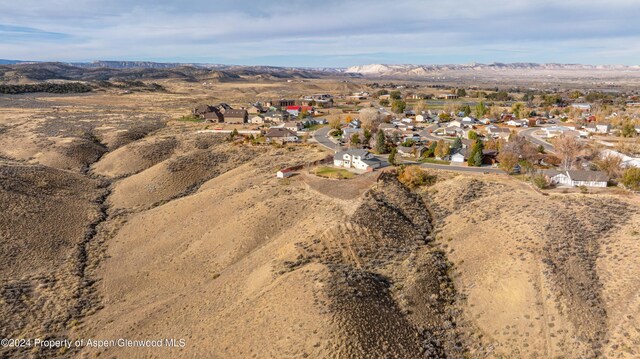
column 15, row 71
column 11, row 62
column 424, row 70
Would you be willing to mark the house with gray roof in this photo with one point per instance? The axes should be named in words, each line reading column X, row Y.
column 577, row 178
column 276, row 116
column 356, row 158
column 281, row 135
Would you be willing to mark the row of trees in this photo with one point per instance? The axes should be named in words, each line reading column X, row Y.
column 69, row 87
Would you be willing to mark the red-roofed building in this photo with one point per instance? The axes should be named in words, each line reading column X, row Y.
column 300, row 108
column 295, row 110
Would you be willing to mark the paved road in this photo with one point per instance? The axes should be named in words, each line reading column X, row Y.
column 433, row 137
column 457, row 168
column 491, row 170
column 321, row 135
column 528, row 134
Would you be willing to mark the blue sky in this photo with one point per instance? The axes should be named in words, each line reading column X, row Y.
column 327, row 33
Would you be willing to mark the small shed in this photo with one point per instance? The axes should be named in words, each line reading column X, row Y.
column 284, row 173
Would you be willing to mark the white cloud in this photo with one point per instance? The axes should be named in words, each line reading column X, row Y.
column 403, row 29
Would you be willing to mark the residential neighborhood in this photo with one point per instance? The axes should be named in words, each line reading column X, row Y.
column 372, row 130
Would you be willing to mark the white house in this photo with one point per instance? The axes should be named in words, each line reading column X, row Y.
column 518, row 123
column 423, row 118
column 284, row 173
column 405, row 126
column 468, row 121
column 293, row 126
column 598, row 128
column 258, row 120
column 582, row 106
column 455, row 123
column 451, row 131
column 358, row 159
column 554, row 131
column 627, row 161
column 458, row 156
column 577, row 178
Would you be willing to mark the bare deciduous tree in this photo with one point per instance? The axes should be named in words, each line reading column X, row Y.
column 524, row 149
column 568, row 148
column 420, row 106
column 610, row 164
column 370, row 118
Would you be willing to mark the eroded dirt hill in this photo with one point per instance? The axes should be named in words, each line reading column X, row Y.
column 111, row 230
column 544, row 276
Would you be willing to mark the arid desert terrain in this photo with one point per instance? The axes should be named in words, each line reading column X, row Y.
column 118, row 221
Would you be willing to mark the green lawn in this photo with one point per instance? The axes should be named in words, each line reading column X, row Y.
column 189, row 118
column 332, row 172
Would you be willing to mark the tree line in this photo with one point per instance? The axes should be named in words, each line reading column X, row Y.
column 69, row 87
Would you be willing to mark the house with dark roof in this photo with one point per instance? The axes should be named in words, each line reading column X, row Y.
column 221, row 113
column 236, row 116
column 356, row 158
column 209, row 113
column 281, row 135
column 200, row 110
column 214, row 116
column 280, row 103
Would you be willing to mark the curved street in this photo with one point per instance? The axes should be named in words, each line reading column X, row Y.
column 529, row 135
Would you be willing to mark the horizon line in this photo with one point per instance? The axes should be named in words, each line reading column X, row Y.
column 17, row 62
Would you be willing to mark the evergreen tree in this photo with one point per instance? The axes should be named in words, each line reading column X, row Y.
column 392, row 156
column 466, row 110
column 457, row 143
column 398, row 106
column 476, row 151
column 381, row 142
column 477, row 159
column 367, row 136
column 355, row 139
column 481, row 110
